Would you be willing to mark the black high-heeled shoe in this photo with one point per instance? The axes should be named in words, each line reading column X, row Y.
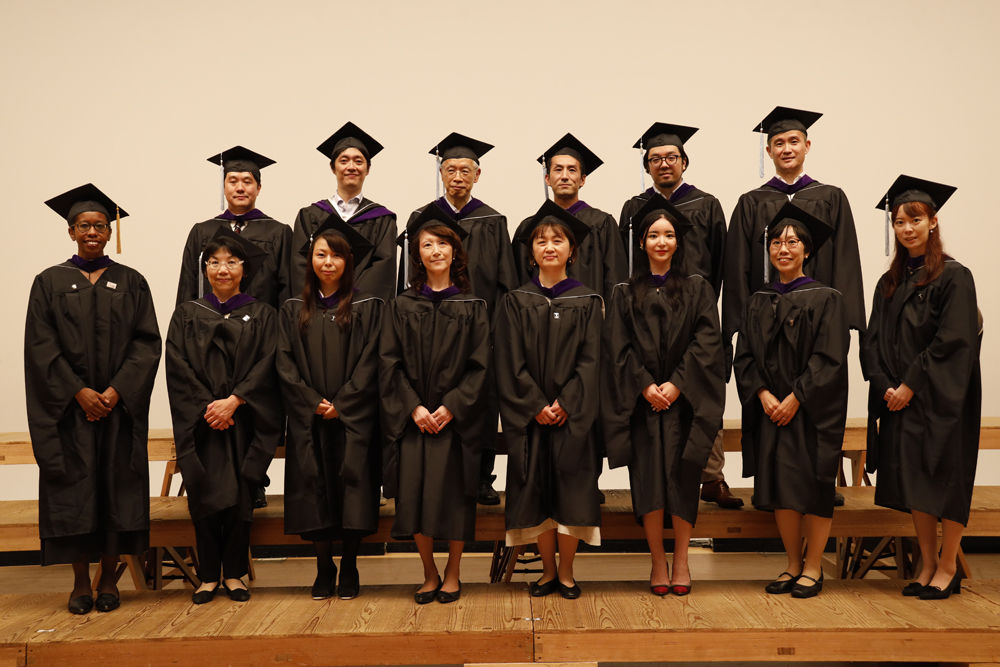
column 324, row 585
column 934, row 593
column 107, row 602
column 350, row 584
column 801, row 592
column 913, row 589
column 81, row 604
column 428, row 596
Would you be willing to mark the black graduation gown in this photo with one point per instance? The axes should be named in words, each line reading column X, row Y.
column 211, row 356
column 653, row 341
column 93, row 476
column 836, row 263
column 548, row 349
column 271, row 283
column 375, row 273
column 433, row 353
column 796, row 342
column 927, row 337
column 704, row 244
column 332, row 469
column 601, row 262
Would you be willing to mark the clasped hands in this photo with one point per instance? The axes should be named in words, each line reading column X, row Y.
column 326, row 410
column 431, row 422
column 97, row 405
column 552, row 415
column 219, row 413
column 661, row 396
column 898, row 398
column 779, row 412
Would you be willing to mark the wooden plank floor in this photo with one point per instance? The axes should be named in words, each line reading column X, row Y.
column 612, row 622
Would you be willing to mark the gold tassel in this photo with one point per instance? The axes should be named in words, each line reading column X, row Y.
column 118, row 228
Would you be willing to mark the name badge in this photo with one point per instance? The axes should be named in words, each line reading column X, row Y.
column 73, row 286
column 246, row 318
column 555, row 315
column 111, row 285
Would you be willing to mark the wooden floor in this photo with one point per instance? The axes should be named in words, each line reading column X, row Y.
column 612, row 622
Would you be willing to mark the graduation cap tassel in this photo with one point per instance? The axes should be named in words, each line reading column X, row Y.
column 201, row 274
column 767, row 260
column 437, row 175
column 631, row 248
column 118, row 230
column 222, row 185
column 760, row 163
column 406, row 260
column 888, row 222
column 545, row 172
column 642, row 169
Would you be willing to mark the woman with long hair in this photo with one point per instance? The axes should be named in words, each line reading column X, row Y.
column 548, row 339
column 435, row 352
column 791, row 373
column 663, row 391
column 225, row 409
column 921, row 358
column 327, row 363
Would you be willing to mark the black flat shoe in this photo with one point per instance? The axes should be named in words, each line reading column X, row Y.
column 81, row 604
column 107, row 602
column 913, row 589
column 446, row 597
column 324, row 585
column 236, row 594
column 781, row 586
column 428, row 596
column 538, row 590
column 838, row 499
column 350, row 584
column 934, row 593
column 568, row 592
column 201, row 597
column 800, row 591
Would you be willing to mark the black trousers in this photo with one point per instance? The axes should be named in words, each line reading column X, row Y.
column 223, row 541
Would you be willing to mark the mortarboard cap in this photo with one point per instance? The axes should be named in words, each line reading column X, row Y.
column 350, row 136
column 550, row 212
column 239, row 158
column 432, row 214
column 645, row 217
column 907, row 189
column 818, row 230
column 85, row 199
column 785, row 119
column 573, row 147
column 457, row 145
column 255, row 256
column 664, row 134
column 360, row 246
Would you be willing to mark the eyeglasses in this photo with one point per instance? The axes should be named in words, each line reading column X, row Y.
column 657, row 160
column 791, row 244
column 231, row 264
column 99, row 227
column 464, row 171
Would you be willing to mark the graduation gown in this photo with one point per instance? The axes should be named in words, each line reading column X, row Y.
column 547, row 349
column 704, row 244
column 375, row 273
column 332, row 469
column 836, row 263
column 794, row 342
column 211, row 356
column 93, row 476
column 271, row 283
column 433, row 353
column 601, row 262
column 648, row 340
column 927, row 337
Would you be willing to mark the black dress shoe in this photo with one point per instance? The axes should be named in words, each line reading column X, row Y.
column 107, row 602
column 718, row 492
column 568, row 592
column 800, row 591
column 237, row 594
column 201, row 597
column 538, row 590
column 350, row 584
column 445, row 597
column 427, row 596
column 781, row 586
column 81, row 604
column 934, row 593
column 913, row 589
column 487, row 494
column 324, row 585
column 838, row 499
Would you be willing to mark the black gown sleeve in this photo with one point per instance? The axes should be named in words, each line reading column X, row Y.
column 736, row 293
column 134, row 378
column 847, row 278
column 380, row 276
column 521, row 399
column 717, row 245
column 297, row 263
column 615, row 262
column 750, row 379
column 522, row 254
column 258, row 388
column 397, row 397
column 187, row 283
column 283, row 260
column 579, row 395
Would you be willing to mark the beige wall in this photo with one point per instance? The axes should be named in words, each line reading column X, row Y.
column 134, row 96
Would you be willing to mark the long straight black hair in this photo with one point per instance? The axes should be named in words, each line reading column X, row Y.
column 345, row 290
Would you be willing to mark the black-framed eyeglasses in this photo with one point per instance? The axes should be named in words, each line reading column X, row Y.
column 99, row 227
column 657, row 160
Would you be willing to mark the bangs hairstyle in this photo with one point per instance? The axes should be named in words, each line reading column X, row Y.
column 345, row 290
column 215, row 245
column 559, row 227
column 684, row 157
column 774, row 231
column 640, row 282
column 459, row 270
column 933, row 255
column 362, row 150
